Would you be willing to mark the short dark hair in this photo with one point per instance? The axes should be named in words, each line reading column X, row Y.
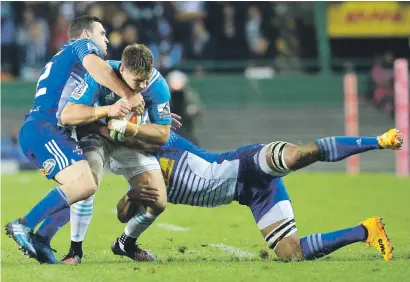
column 138, row 58
column 79, row 24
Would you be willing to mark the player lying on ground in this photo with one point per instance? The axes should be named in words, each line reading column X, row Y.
column 49, row 145
column 252, row 175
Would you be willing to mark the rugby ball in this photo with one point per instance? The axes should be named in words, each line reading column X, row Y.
column 131, row 117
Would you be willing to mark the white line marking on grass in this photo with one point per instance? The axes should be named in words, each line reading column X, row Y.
column 113, row 210
column 233, row 250
column 172, row 227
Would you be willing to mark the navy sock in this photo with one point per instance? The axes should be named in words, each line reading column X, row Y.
column 321, row 244
column 53, row 223
column 53, row 202
column 333, row 149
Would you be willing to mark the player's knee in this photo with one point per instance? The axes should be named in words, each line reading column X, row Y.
column 123, row 217
column 159, row 206
column 289, row 248
column 274, row 160
column 89, row 185
column 283, row 239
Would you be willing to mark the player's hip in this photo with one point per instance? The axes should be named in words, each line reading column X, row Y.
column 51, row 148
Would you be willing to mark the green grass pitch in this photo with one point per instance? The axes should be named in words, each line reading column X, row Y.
column 222, row 244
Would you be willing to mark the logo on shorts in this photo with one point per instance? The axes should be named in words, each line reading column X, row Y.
column 48, row 166
column 78, row 150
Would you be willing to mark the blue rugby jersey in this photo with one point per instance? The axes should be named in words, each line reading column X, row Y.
column 61, row 75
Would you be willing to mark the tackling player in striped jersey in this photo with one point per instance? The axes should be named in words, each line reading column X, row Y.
column 252, row 175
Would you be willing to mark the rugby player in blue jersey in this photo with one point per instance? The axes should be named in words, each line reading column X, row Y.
column 136, row 69
column 48, row 144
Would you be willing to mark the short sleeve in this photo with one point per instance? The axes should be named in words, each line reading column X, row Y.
column 86, row 92
column 84, row 47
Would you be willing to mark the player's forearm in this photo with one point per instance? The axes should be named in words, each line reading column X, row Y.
column 156, row 134
column 132, row 143
column 78, row 114
column 104, row 74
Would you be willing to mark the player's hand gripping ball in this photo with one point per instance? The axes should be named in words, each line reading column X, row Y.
column 123, row 128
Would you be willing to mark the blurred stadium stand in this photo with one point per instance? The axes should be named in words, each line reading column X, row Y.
column 263, row 70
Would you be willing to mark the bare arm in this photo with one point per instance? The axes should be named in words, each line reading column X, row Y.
column 132, row 143
column 79, row 114
column 106, row 76
column 156, row 134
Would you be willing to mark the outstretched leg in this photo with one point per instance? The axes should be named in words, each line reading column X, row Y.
column 272, row 209
column 285, row 157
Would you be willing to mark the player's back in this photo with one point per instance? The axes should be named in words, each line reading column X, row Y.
column 59, row 79
column 195, row 176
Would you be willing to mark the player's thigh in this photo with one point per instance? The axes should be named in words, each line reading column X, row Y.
column 272, row 209
column 96, row 149
column 138, row 167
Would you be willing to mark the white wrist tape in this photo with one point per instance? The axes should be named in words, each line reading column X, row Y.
column 118, row 125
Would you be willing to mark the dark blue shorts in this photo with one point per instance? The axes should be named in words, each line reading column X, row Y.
column 49, row 147
column 255, row 188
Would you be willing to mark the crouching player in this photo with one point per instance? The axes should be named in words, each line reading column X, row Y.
column 252, row 175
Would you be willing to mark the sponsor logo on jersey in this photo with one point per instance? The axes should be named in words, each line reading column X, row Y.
column 36, row 109
column 92, row 47
column 79, row 90
column 164, row 110
column 166, row 167
column 110, row 97
column 48, row 166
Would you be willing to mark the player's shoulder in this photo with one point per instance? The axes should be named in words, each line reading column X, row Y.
column 84, row 45
column 157, row 88
column 114, row 64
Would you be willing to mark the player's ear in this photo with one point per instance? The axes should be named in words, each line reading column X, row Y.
column 86, row 34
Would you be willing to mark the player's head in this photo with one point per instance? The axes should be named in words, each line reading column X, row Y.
column 91, row 28
column 137, row 63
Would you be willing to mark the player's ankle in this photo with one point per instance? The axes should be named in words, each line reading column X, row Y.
column 76, row 248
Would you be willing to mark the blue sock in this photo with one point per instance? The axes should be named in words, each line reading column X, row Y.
column 53, row 202
column 53, row 223
column 333, row 149
column 321, row 244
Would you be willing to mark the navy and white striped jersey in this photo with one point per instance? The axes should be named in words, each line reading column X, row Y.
column 61, row 75
column 196, row 177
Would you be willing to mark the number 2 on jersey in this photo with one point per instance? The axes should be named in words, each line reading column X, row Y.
column 45, row 74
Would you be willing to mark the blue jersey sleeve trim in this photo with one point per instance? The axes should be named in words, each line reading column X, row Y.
column 84, row 47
